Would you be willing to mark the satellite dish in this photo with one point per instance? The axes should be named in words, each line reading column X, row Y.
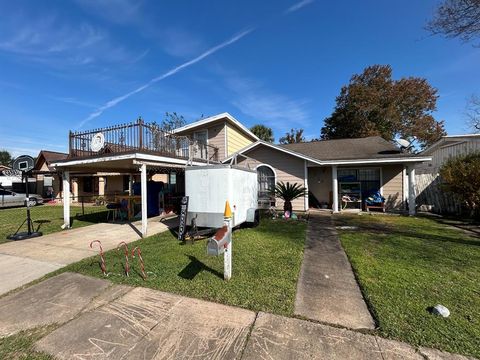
column 24, row 163
column 98, row 140
column 404, row 144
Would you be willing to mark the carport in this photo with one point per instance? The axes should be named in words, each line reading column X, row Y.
column 131, row 148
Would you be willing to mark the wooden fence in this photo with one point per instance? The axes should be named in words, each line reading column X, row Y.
column 430, row 193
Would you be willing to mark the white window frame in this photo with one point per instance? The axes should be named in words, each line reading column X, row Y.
column 273, row 170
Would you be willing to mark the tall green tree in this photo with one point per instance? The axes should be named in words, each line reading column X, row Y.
column 457, row 19
column 5, row 158
column 375, row 104
column 263, row 132
column 292, row 137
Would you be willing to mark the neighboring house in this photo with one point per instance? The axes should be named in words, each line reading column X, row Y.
column 8, row 179
column 448, row 147
column 328, row 169
column 48, row 179
column 430, row 195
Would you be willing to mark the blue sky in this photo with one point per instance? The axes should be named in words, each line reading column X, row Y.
column 67, row 65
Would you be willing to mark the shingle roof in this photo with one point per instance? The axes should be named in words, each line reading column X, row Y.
column 342, row 149
column 50, row 157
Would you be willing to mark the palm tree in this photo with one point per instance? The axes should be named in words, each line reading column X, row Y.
column 289, row 192
column 263, row 132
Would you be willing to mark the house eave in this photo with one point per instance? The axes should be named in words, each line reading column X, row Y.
column 135, row 157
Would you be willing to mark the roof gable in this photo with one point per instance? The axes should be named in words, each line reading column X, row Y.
column 46, row 157
column 211, row 119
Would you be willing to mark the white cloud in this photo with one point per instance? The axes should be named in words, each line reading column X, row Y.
column 274, row 109
column 298, row 6
column 117, row 100
column 50, row 40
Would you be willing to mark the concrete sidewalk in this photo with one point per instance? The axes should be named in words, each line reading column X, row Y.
column 97, row 319
column 24, row 261
column 327, row 290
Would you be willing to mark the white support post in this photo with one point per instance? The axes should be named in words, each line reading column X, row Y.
column 143, row 180
column 227, row 255
column 334, row 189
column 66, row 199
column 405, row 187
column 306, row 185
column 411, row 191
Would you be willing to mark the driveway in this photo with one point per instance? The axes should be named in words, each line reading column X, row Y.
column 24, row 261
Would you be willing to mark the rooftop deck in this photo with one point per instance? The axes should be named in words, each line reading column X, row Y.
column 138, row 137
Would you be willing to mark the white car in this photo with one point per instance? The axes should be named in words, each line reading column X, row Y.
column 10, row 198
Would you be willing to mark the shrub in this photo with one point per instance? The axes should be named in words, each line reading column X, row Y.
column 461, row 176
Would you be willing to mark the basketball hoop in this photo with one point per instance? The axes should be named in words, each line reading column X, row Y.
column 24, row 165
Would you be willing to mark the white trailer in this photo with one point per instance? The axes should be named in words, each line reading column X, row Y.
column 209, row 187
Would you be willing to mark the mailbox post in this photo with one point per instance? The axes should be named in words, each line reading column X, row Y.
column 221, row 243
column 227, row 256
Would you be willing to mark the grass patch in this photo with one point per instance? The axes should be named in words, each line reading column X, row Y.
column 404, row 266
column 266, row 265
column 47, row 218
column 20, row 346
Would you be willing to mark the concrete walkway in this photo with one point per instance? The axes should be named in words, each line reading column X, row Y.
column 24, row 261
column 99, row 320
column 327, row 290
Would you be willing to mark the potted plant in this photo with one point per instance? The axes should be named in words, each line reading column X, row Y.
column 288, row 192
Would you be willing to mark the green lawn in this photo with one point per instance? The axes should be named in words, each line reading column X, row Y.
column 406, row 265
column 47, row 218
column 266, row 265
column 21, row 346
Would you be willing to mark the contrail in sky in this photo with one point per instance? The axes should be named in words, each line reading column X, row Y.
column 298, row 6
column 165, row 75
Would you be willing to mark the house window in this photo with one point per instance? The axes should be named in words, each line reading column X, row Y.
column 369, row 179
column 201, row 136
column 266, row 182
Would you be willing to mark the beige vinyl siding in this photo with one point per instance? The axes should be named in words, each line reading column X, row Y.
column 392, row 178
column 216, row 137
column 236, row 140
column 320, row 183
column 451, row 149
column 287, row 168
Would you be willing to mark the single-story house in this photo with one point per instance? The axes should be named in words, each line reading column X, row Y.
column 328, row 169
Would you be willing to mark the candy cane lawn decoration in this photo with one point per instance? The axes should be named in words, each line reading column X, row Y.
column 127, row 267
column 142, row 266
column 102, row 263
